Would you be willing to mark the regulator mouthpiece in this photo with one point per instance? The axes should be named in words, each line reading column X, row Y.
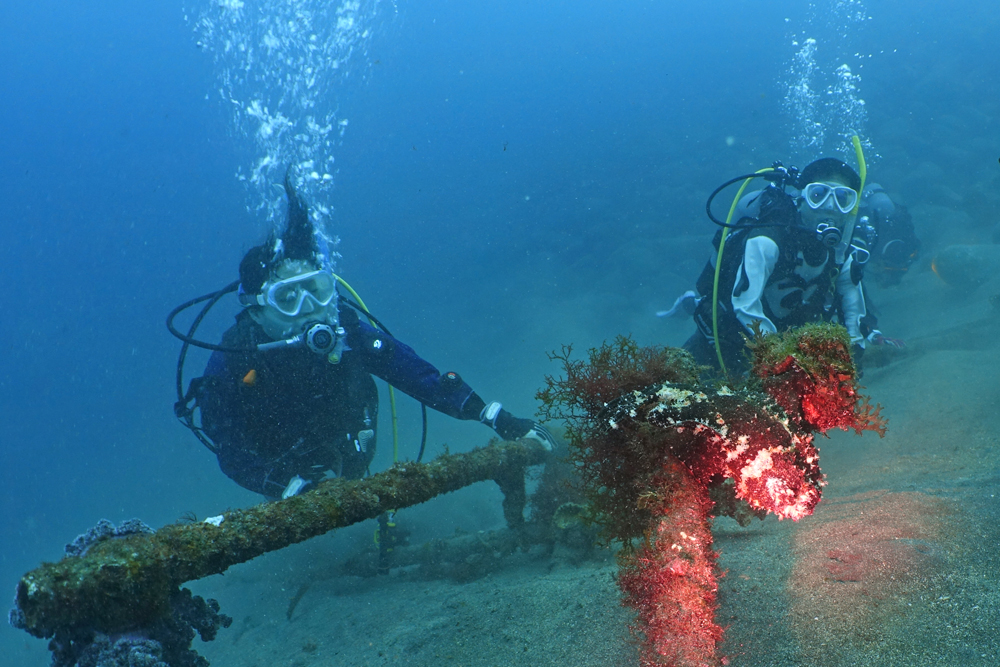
column 321, row 338
column 828, row 235
column 318, row 337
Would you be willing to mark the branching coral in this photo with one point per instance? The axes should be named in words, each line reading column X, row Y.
column 655, row 447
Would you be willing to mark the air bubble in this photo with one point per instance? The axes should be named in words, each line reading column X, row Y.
column 282, row 66
column 822, row 99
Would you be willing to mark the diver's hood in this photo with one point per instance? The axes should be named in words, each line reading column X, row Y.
column 300, row 240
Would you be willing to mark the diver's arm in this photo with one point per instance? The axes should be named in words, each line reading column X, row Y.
column 852, row 303
column 399, row 365
column 759, row 259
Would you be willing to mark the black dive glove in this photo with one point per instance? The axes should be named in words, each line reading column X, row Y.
column 509, row 427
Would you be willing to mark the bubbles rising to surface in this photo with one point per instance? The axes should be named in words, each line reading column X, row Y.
column 280, row 65
column 822, row 92
column 801, row 101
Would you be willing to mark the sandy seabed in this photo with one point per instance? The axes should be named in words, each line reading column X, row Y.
column 534, row 614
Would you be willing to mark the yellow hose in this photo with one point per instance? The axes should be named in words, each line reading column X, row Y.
column 718, row 267
column 392, row 393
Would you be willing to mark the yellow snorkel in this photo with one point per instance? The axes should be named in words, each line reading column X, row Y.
column 862, row 170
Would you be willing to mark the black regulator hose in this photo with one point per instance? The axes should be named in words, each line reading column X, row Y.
column 189, row 339
column 715, row 193
column 778, row 175
column 181, row 406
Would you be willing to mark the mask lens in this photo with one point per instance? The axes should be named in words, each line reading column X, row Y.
column 816, row 194
column 285, row 298
column 320, row 286
column 846, row 198
column 287, row 295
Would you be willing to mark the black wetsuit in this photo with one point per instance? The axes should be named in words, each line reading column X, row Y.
column 280, row 413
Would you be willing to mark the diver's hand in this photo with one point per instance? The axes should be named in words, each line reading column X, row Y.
column 506, row 425
column 295, row 487
column 540, row 434
column 876, row 338
column 509, row 427
column 683, row 306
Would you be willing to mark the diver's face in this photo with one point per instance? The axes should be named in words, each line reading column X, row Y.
column 827, row 214
column 281, row 326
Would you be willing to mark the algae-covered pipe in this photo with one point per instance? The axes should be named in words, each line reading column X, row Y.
column 125, row 583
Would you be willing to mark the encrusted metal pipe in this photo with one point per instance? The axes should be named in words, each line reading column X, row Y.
column 123, row 583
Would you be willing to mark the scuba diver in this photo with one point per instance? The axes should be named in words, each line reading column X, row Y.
column 288, row 396
column 895, row 246
column 795, row 255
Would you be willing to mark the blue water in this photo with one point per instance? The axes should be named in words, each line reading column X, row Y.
column 501, row 162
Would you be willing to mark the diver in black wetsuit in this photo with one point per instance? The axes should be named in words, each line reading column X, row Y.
column 290, row 396
column 792, row 258
column 892, row 240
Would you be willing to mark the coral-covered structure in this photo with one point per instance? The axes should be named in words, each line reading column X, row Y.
column 124, row 582
column 661, row 453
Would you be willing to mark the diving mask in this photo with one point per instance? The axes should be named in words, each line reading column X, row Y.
column 288, row 295
column 860, row 254
column 816, row 196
